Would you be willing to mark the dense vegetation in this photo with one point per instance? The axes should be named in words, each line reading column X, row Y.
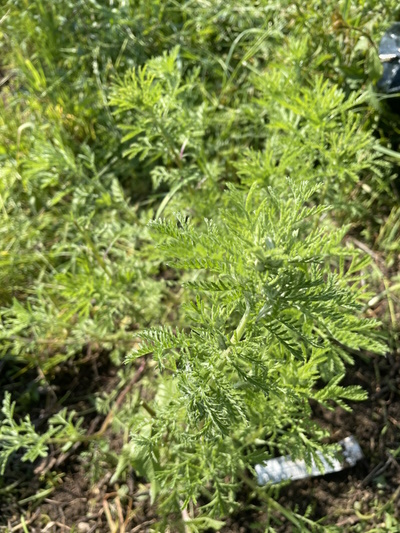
column 201, row 200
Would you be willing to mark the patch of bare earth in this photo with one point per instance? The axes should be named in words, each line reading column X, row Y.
column 75, row 502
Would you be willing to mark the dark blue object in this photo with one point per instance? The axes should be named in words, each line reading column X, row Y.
column 389, row 54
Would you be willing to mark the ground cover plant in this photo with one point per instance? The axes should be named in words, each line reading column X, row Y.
column 199, row 264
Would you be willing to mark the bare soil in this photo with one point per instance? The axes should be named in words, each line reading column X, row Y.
column 58, row 494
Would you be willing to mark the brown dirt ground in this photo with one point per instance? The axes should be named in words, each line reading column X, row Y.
column 344, row 498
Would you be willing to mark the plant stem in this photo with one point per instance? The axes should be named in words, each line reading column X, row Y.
column 149, row 409
column 287, row 513
column 239, row 331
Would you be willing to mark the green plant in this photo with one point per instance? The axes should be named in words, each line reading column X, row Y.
column 271, row 317
column 116, row 113
column 22, row 435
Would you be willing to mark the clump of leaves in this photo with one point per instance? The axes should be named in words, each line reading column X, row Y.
column 270, row 318
column 23, row 435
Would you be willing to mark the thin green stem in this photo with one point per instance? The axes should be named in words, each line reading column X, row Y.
column 294, row 518
column 239, row 331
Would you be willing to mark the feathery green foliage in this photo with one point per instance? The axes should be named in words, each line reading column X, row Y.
column 15, row 436
column 219, row 130
column 270, row 318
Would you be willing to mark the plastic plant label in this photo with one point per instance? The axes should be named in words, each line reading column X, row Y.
column 284, row 468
